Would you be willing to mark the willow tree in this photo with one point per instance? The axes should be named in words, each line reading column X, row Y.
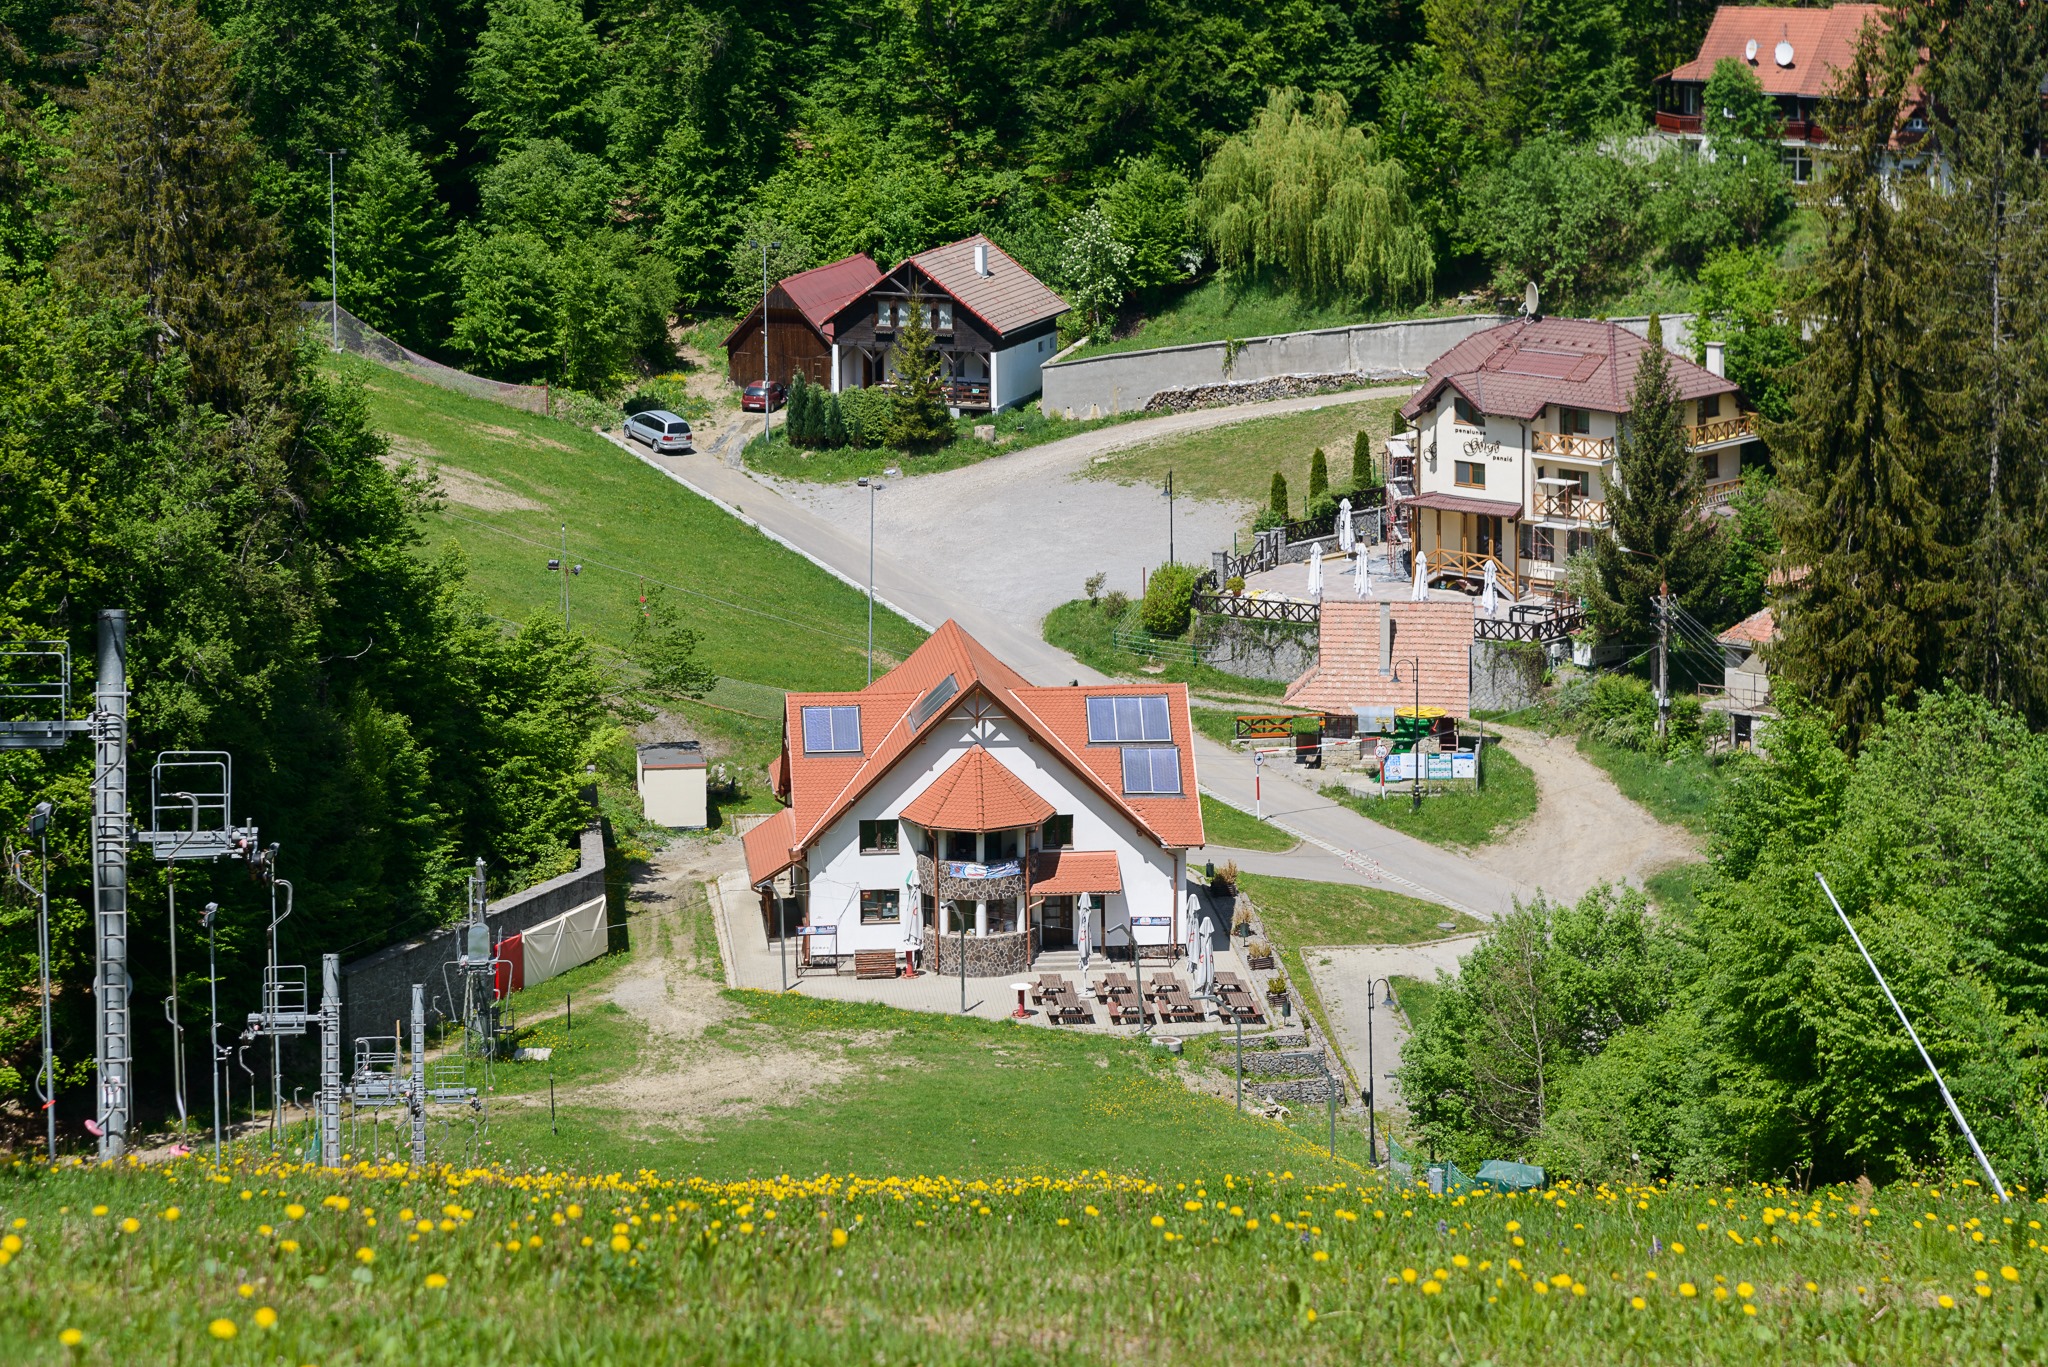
column 1307, row 196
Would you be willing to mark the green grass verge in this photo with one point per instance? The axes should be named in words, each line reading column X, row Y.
column 1083, row 630
column 1017, row 429
column 1417, row 998
column 1301, row 912
column 1681, row 791
column 1677, row 889
column 1227, row 826
column 1236, row 462
column 1198, row 1261
column 513, row 480
column 1214, row 309
column 1462, row 818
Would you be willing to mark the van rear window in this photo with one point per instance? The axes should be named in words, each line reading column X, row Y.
column 679, row 429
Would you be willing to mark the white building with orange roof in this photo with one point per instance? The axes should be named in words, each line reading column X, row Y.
column 953, row 798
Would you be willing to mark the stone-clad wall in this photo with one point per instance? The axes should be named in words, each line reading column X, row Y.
column 1302, row 1089
column 377, row 989
column 1277, row 1063
column 1003, row 955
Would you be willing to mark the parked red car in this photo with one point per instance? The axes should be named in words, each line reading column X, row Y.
column 760, row 396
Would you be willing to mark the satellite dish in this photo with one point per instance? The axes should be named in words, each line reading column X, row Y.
column 1749, row 51
column 1783, row 53
column 1530, row 299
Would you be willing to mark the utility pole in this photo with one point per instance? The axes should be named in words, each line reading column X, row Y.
column 333, row 269
column 873, row 486
column 767, row 392
column 46, row 1078
column 110, row 883
column 1167, row 489
column 207, row 919
column 1663, row 655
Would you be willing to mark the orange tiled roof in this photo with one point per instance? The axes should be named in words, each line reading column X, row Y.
column 1346, row 673
column 1759, row 628
column 976, row 793
column 1066, row 873
column 1009, row 298
column 822, row 787
column 767, row 847
column 1823, row 41
column 1514, row 370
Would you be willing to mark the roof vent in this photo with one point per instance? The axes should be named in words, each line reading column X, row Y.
column 981, row 259
column 1783, row 52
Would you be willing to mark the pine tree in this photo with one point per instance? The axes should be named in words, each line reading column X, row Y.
column 1861, row 620
column 835, row 423
column 918, row 419
column 394, row 244
column 160, row 201
column 1658, row 535
column 1361, row 461
column 796, row 422
column 1986, row 350
column 1278, row 501
column 1318, row 475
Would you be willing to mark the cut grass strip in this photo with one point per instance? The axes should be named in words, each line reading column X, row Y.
column 1083, row 630
column 1227, row 826
column 1462, row 818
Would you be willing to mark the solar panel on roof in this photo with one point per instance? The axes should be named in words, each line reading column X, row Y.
column 1152, row 770
column 1140, row 718
column 929, row 705
column 832, row 730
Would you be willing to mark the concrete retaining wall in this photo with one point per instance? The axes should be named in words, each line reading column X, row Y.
column 1126, row 381
column 377, row 989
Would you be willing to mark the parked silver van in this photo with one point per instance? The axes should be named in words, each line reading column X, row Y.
column 662, row 430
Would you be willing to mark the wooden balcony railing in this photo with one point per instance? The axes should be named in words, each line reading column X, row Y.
column 1738, row 428
column 1570, row 504
column 1720, row 493
column 1572, row 446
column 1669, row 122
column 1472, row 565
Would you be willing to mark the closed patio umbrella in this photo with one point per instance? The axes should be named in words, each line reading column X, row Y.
column 1346, row 537
column 1315, row 570
column 1492, row 591
column 1360, row 579
column 1087, row 914
column 1421, row 591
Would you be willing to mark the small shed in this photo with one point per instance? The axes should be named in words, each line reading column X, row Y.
column 672, row 786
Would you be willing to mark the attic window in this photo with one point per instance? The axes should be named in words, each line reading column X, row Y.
column 1152, row 771
column 832, row 730
column 1113, row 721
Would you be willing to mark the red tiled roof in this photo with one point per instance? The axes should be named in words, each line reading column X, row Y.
column 1514, row 370
column 1823, row 42
column 1009, row 298
column 1460, row 503
column 1065, row 873
column 1759, row 628
column 822, row 787
column 1346, row 673
column 976, row 793
column 767, row 847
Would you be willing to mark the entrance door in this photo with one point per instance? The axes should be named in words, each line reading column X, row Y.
column 1056, row 923
column 1489, row 534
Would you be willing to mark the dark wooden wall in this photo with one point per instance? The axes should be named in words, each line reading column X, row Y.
column 792, row 346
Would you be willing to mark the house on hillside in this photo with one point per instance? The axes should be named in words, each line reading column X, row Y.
column 1796, row 55
column 1511, row 449
column 1359, row 646
column 1745, row 692
column 994, row 324
column 952, row 798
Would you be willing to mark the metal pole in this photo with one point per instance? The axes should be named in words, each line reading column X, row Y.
column 1169, row 516
column 1240, row 1064
column 330, row 1060
column 419, row 1075
column 782, row 940
column 1372, row 1138
column 871, row 486
column 171, row 1003
column 213, row 1024
column 43, row 952
column 333, row 270
column 1663, row 645
column 963, row 946
column 1415, row 748
column 767, row 393
column 565, row 576
column 115, row 1053
column 1914, row 1035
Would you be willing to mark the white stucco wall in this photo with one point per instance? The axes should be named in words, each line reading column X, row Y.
column 1151, row 875
column 1018, row 370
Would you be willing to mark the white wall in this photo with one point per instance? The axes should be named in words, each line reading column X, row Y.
column 1018, row 370
column 839, row 871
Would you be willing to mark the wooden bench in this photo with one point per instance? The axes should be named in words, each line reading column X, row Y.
column 874, row 963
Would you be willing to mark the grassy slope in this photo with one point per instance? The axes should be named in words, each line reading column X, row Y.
column 1461, row 818
column 1214, row 309
column 1237, row 461
column 1681, row 791
column 1082, row 630
column 1236, row 830
column 766, row 614
column 1417, row 998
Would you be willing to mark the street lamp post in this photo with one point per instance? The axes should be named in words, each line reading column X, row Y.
column 1414, row 664
column 1372, row 1142
column 207, row 918
column 1167, row 490
column 767, row 393
column 333, row 269
column 873, row 486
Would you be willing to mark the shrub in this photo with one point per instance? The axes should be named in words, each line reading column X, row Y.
column 835, row 423
column 1226, row 879
column 1092, row 586
column 1115, row 604
column 1318, row 476
column 1361, row 459
column 1268, row 518
column 1234, row 584
column 1622, row 710
column 796, row 414
column 1277, row 500
column 1169, row 598
column 1257, row 949
column 669, row 392
column 865, row 413
column 1320, row 506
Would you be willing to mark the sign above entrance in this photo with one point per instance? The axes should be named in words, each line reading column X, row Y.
column 974, row 873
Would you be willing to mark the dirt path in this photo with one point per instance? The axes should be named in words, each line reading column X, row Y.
column 1345, row 976
column 1583, row 832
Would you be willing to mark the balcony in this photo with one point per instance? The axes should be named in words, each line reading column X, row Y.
column 1719, row 493
column 1668, row 122
column 1567, row 504
column 1572, row 446
column 1741, row 427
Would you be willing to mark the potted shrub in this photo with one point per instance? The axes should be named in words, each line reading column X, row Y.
column 1276, row 993
column 1223, row 880
column 1241, row 923
column 1259, row 955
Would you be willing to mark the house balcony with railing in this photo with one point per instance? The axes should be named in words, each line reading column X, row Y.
column 1789, row 130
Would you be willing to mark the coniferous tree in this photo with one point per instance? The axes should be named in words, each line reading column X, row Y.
column 835, row 424
column 1361, row 461
column 160, row 208
column 1987, row 341
column 1277, row 501
column 796, row 425
column 1318, row 475
column 1658, row 535
column 918, row 420
column 1869, row 577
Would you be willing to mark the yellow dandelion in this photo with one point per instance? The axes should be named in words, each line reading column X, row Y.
column 2010, row 1273
column 1460, row 1261
column 366, row 1256
column 266, row 1318
column 1688, row 1290
column 170, row 1212
column 11, row 1244
column 1983, row 1290
column 1677, row 1247
column 1946, row 1302
column 222, row 1329
column 1744, row 1290
column 71, row 1338
column 1749, row 1310
column 1638, row 1302
column 98, row 1210
column 1408, row 1275
column 1321, row 1255
column 288, row 1245
column 620, row 1243
column 130, row 1225
column 245, row 1291
column 436, row 1281
column 839, row 1237
column 1431, row 1287
column 295, row 1211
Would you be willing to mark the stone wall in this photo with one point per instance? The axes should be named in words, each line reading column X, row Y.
column 1257, row 391
column 1284, row 1063
column 1506, row 676
column 1280, row 651
column 377, row 989
column 1127, row 381
column 1307, row 1089
column 1002, row 955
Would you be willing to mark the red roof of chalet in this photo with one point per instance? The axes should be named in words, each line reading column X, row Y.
column 1346, row 673
column 1516, row 369
column 976, row 793
column 1823, row 42
column 1008, row 299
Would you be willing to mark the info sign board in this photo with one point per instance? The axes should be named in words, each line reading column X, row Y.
column 1152, row 930
column 1461, row 764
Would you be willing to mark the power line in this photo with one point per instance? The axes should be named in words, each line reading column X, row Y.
column 643, row 575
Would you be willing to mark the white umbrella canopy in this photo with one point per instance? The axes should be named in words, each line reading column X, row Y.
column 1087, row 914
column 1208, row 959
column 1421, row 590
column 1346, row 536
column 1492, row 591
column 1315, row 570
column 1361, row 580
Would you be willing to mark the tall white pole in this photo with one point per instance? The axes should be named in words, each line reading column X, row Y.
column 1914, row 1035
column 110, row 882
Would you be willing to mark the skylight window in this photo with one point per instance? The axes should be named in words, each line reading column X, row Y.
column 1152, row 771
column 1114, row 721
column 832, row 730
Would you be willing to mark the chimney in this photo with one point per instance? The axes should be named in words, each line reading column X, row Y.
column 1717, row 358
column 1386, row 639
column 981, row 259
